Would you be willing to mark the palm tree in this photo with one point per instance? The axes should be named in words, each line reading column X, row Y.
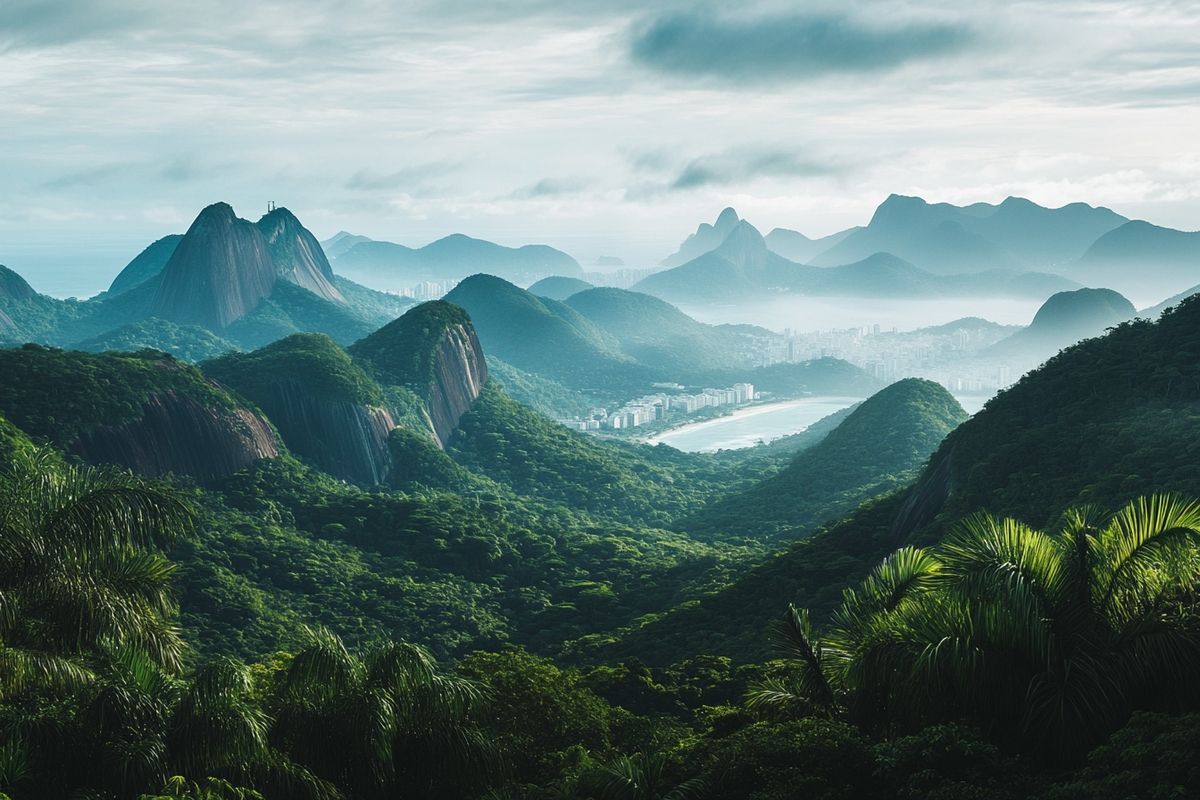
column 82, row 569
column 639, row 777
column 387, row 723
column 1050, row 638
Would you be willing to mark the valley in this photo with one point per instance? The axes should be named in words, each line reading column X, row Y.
column 599, row 401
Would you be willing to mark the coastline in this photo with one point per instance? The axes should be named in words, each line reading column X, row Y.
column 744, row 412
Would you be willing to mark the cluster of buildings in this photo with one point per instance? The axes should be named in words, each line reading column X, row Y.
column 950, row 355
column 430, row 290
column 657, row 406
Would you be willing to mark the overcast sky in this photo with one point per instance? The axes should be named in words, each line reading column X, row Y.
column 597, row 127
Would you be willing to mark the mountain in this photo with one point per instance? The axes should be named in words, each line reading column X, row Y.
column 1138, row 256
column 13, row 287
column 658, row 334
column 219, row 273
column 707, row 237
column 1105, row 421
column 558, row 287
column 743, row 267
column 1062, row 320
column 325, row 407
column 946, row 239
column 795, row 246
column 546, row 337
column 341, row 242
column 1154, row 311
column 434, row 352
column 874, row 450
column 393, row 266
column 146, row 265
column 297, row 256
column 739, row 267
column 185, row 342
column 143, row 411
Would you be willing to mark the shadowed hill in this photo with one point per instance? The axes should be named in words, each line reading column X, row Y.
column 545, row 337
column 559, row 287
column 1061, row 321
column 876, row 449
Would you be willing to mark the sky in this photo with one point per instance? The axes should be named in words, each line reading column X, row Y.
column 602, row 128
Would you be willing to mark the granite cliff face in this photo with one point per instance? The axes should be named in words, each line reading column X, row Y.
column 434, row 352
column 345, row 439
column 13, row 286
column 326, row 408
column 297, row 255
column 458, row 377
column 220, row 271
column 225, row 266
column 177, row 433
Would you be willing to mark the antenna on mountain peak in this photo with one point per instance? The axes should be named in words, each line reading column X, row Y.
column 270, row 206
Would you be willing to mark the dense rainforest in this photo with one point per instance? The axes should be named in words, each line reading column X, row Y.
column 900, row 603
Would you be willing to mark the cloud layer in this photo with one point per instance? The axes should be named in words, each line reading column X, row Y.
column 594, row 125
column 790, row 47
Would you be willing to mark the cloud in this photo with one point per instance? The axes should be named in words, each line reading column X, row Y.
column 373, row 181
column 92, row 176
column 738, row 167
column 552, row 187
column 47, row 23
column 787, row 48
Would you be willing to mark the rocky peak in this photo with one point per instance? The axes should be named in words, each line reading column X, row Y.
column 297, row 255
column 220, row 271
column 13, row 286
column 434, row 351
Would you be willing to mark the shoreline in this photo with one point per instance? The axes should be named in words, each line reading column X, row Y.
column 743, row 413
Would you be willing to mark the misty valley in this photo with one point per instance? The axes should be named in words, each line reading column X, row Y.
column 270, row 529
column 599, row 401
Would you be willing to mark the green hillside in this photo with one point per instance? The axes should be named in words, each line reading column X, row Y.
column 185, row 342
column 545, row 337
column 876, row 449
column 1105, row 421
column 658, row 334
column 559, row 287
column 313, row 359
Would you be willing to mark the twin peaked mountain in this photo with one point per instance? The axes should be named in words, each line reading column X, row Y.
column 224, row 267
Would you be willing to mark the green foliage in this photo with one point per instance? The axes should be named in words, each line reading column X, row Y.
column 541, row 394
column 547, row 338
column 1048, row 639
column 185, row 342
column 404, row 352
column 539, row 458
column 875, row 450
column 82, row 570
column 55, row 395
column 313, row 359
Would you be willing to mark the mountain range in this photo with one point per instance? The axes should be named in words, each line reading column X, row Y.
column 743, row 267
column 394, row 267
column 1091, row 245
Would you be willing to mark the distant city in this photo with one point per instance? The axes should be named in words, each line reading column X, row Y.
column 656, row 407
column 951, row 355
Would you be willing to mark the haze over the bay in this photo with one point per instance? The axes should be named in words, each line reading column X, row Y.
column 604, row 129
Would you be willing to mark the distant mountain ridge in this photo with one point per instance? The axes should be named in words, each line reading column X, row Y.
column 393, row 266
column 743, row 267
